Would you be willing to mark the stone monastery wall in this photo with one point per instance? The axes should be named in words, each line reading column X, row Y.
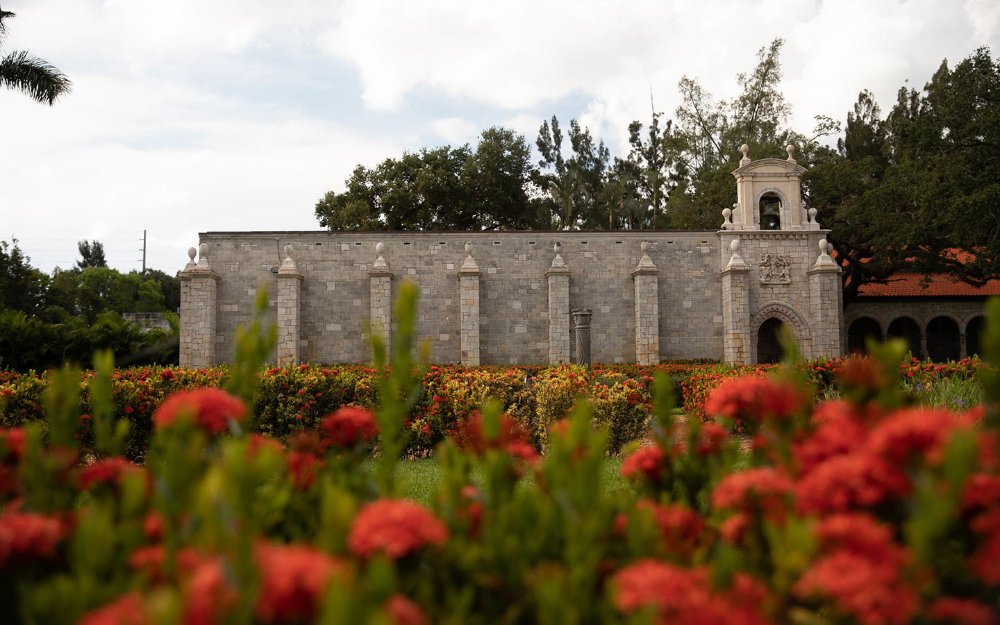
column 506, row 297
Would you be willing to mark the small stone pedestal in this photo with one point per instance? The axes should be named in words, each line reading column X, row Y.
column 647, row 314
column 380, row 283
column 288, row 304
column 581, row 327
column 558, row 280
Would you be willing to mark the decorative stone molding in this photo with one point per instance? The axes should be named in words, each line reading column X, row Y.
column 736, row 261
column 775, row 269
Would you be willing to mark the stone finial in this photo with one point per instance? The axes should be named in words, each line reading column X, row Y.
column 288, row 264
column 812, row 216
column 192, row 252
column 645, row 262
column 746, row 151
column 203, row 256
column 557, row 262
column 469, row 264
column 791, row 151
column 824, row 259
column 736, row 261
column 380, row 260
column 727, row 218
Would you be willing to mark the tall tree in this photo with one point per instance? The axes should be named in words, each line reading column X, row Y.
column 573, row 185
column 919, row 190
column 91, row 254
column 706, row 139
column 22, row 287
column 21, row 71
column 650, row 165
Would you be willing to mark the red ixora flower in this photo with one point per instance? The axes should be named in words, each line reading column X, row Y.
column 680, row 527
column 916, row 432
column 211, row 408
column 403, row 611
column 852, row 481
column 867, row 589
column 125, row 610
column 754, row 400
column 348, row 426
column 293, row 579
column 681, row 596
column 395, row 528
column 764, row 488
column 512, row 438
column 955, row 611
column 26, row 535
column 209, row 594
column 644, row 463
column 107, row 471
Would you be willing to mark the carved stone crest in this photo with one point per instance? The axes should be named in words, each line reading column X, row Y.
column 775, row 269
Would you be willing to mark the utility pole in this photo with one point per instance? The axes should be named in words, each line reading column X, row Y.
column 143, row 251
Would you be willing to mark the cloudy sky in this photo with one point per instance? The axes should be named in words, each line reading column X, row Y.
column 189, row 116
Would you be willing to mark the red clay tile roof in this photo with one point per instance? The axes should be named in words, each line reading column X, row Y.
column 940, row 285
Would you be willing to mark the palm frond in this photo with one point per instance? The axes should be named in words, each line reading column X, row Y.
column 35, row 77
column 3, row 27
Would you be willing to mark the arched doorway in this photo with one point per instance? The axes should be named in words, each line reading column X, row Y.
column 859, row 332
column 769, row 348
column 974, row 336
column 769, row 216
column 942, row 340
column 906, row 328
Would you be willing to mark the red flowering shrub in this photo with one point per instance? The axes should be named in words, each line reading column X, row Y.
column 679, row 596
column 955, row 611
column 765, row 490
column 107, row 471
column 212, row 409
column 28, row 536
column 209, row 594
column 854, row 481
column 293, row 580
column 645, row 463
column 395, row 528
column 125, row 610
column 347, row 427
column 403, row 611
column 512, row 438
column 746, row 402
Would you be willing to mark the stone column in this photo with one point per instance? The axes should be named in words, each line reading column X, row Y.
column 558, row 280
column 963, row 350
column 468, row 277
column 826, row 305
column 380, row 281
column 198, row 311
column 647, row 316
column 736, row 339
column 289, row 298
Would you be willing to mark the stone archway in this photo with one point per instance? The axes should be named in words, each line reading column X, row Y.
column 943, row 342
column 859, row 332
column 906, row 328
column 774, row 315
column 973, row 336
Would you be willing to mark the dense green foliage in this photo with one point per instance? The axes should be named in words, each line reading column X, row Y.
column 908, row 190
column 47, row 320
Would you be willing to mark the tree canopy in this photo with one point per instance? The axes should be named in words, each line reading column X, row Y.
column 920, row 188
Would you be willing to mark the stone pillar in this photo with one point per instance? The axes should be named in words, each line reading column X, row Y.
column 288, row 304
column 198, row 311
column 963, row 350
column 923, row 345
column 468, row 277
column 380, row 282
column 647, row 317
column 558, row 279
column 825, row 305
column 736, row 339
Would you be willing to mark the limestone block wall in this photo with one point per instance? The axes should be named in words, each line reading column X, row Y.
column 335, row 293
column 782, row 282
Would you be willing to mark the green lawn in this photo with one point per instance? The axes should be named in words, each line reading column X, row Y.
column 419, row 478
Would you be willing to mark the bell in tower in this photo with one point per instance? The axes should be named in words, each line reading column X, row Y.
column 769, row 195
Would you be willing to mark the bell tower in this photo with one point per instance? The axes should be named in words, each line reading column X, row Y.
column 769, row 195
